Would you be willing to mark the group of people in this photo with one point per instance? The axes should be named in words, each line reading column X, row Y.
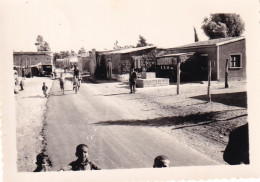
column 77, row 78
column 83, row 162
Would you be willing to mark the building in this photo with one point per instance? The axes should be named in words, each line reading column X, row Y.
column 29, row 60
column 218, row 51
column 25, row 59
column 117, row 63
column 59, row 63
column 87, row 62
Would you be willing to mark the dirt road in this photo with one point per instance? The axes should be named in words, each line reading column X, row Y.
column 115, row 125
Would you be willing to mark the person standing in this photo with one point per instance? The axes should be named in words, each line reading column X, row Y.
column 132, row 80
column 23, row 74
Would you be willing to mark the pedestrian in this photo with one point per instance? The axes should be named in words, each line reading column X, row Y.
column 23, row 74
column 83, row 162
column 76, row 72
column 237, row 149
column 43, row 163
column 62, row 82
column 161, row 161
column 132, row 80
column 22, row 84
column 44, row 89
column 54, row 73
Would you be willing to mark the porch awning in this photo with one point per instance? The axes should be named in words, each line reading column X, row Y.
column 176, row 54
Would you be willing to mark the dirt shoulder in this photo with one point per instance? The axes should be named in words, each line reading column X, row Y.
column 30, row 109
column 203, row 125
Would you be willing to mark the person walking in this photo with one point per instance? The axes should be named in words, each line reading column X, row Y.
column 44, row 89
column 132, row 80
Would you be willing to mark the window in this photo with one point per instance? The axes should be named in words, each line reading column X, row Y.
column 235, row 61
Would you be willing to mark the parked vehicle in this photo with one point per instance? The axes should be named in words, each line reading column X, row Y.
column 46, row 69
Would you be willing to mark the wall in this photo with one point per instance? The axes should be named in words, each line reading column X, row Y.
column 27, row 60
column 116, row 64
column 224, row 52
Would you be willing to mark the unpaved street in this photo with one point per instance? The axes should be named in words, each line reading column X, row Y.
column 112, row 123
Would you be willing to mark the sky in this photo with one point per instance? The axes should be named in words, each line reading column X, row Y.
column 72, row 24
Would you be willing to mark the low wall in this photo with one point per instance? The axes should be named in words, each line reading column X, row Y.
column 148, row 75
column 122, row 77
column 153, row 82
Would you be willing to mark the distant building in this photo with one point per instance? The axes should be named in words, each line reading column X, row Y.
column 87, row 62
column 32, row 61
column 215, row 50
column 24, row 59
column 59, row 63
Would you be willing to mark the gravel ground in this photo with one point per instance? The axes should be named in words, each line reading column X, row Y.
column 30, row 109
column 200, row 124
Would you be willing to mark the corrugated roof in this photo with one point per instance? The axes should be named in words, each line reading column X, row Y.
column 128, row 50
column 212, row 42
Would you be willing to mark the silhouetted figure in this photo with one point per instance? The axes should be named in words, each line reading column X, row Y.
column 161, row 161
column 43, row 163
column 237, row 150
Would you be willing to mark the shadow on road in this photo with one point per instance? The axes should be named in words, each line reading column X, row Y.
column 59, row 93
column 238, row 99
column 177, row 121
column 116, row 94
column 34, row 96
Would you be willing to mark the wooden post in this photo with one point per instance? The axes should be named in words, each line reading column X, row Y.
column 178, row 74
column 31, row 67
column 226, row 74
column 209, row 79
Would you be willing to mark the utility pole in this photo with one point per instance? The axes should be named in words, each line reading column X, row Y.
column 209, row 79
column 31, row 67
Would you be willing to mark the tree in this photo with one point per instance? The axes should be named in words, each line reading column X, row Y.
column 116, row 46
column 82, row 50
column 64, row 54
column 142, row 42
column 41, row 44
column 222, row 25
column 72, row 53
column 196, row 35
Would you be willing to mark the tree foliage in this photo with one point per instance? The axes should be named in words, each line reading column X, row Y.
column 141, row 42
column 41, row 44
column 222, row 25
column 82, row 50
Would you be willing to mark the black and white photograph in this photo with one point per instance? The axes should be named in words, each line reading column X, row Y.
column 126, row 87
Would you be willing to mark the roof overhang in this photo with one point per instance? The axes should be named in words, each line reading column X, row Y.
column 177, row 55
